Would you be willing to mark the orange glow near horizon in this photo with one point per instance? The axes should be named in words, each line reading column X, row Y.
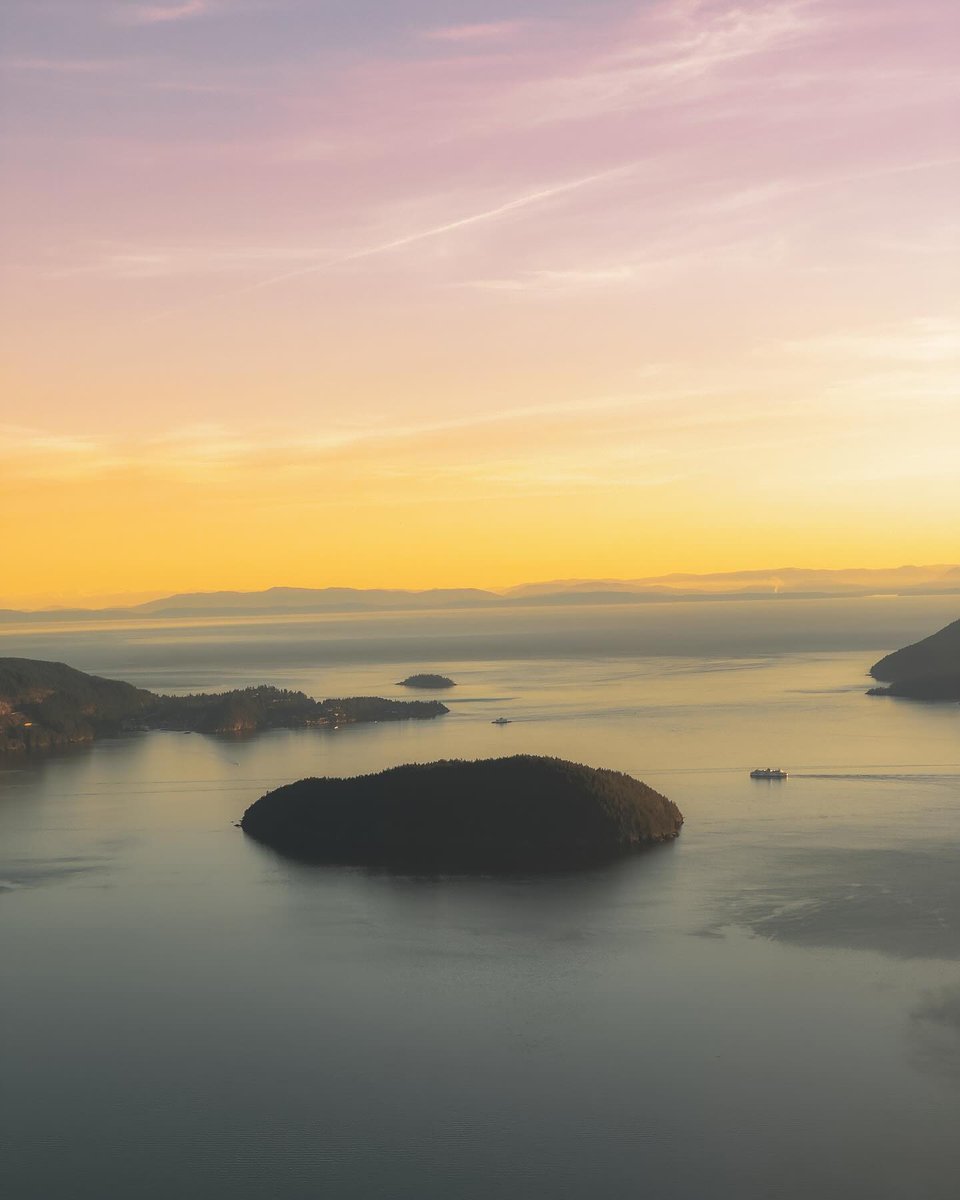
column 399, row 305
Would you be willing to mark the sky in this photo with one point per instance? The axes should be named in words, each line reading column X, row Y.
column 422, row 293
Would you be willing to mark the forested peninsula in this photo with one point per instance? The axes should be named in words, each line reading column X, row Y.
column 927, row 670
column 44, row 705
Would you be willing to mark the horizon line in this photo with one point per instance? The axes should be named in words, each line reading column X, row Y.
column 126, row 601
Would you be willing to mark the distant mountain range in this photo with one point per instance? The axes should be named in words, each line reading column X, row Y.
column 792, row 580
column 789, row 582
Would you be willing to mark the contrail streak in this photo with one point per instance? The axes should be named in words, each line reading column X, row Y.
column 411, row 239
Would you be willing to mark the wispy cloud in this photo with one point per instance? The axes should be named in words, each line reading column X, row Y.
column 671, row 51
column 540, row 450
column 924, row 340
column 146, row 262
column 159, row 14
column 36, row 454
column 491, row 31
column 559, row 280
column 386, row 447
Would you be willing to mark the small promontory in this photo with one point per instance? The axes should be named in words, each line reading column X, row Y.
column 926, row 670
column 521, row 813
column 428, row 682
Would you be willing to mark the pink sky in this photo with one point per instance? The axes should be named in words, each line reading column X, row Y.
column 525, row 251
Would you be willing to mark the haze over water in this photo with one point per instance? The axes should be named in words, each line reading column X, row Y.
column 768, row 1007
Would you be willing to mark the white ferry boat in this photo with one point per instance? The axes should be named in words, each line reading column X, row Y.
column 768, row 773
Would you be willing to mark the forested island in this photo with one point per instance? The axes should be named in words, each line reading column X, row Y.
column 519, row 813
column 427, row 681
column 927, row 670
column 44, row 705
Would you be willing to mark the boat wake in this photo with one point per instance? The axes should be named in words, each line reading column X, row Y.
column 947, row 779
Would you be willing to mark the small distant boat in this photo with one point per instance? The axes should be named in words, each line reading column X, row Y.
column 501, row 721
column 768, row 773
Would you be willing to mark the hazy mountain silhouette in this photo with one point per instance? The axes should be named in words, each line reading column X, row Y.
column 797, row 582
column 941, row 577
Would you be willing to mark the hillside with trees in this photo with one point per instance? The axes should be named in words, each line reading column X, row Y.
column 927, row 670
column 519, row 813
column 45, row 704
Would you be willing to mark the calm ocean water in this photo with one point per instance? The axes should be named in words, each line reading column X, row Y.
column 768, row 1008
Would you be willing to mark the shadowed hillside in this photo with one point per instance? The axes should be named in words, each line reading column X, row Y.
column 45, row 704
column 927, row 670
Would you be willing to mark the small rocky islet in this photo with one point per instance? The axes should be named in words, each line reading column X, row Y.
column 521, row 813
column 427, row 682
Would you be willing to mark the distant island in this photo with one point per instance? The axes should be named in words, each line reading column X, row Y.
column 44, row 705
column 427, row 681
column 776, row 582
column 927, row 670
column 519, row 813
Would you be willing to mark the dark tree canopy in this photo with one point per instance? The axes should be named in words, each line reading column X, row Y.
column 523, row 813
column 927, row 670
column 46, row 704
column 427, row 681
